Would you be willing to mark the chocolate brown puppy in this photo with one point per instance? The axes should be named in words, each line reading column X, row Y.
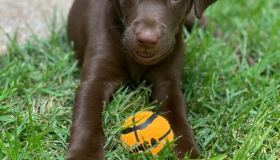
column 129, row 40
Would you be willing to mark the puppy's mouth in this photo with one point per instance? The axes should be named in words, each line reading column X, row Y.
column 145, row 55
column 145, row 58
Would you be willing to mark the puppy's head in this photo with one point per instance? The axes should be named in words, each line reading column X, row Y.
column 151, row 25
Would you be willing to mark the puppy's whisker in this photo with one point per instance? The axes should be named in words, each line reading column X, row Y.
column 113, row 27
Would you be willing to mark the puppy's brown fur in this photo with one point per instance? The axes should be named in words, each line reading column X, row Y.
column 121, row 40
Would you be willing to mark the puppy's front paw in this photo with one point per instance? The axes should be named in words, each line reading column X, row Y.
column 187, row 147
column 94, row 153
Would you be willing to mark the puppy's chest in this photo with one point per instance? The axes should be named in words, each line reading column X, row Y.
column 137, row 72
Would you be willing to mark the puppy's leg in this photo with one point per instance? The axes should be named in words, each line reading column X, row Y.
column 174, row 110
column 87, row 136
column 190, row 19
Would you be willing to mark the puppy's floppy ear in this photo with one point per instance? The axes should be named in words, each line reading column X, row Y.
column 116, row 5
column 201, row 5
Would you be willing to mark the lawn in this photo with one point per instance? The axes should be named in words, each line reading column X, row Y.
column 233, row 106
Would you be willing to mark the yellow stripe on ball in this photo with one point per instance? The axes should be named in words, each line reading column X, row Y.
column 146, row 129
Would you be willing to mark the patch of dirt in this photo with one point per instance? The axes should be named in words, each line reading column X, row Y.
column 25, row 14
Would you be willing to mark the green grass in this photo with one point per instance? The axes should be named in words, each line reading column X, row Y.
column 234, row 108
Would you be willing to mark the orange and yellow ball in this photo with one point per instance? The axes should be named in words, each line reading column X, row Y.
column 146, row 130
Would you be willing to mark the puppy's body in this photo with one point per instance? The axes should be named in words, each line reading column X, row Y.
column 123, row 40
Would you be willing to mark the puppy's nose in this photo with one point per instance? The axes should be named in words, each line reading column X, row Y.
column 147, row 39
